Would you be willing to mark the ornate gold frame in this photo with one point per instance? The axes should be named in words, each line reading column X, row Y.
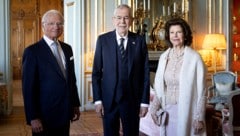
column 148, row 21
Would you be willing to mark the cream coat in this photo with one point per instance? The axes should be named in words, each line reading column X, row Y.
column 191, row 90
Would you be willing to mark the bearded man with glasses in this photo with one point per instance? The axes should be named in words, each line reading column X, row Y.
column 120, row 76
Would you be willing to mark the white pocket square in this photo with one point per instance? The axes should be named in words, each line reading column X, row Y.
column 71, row 58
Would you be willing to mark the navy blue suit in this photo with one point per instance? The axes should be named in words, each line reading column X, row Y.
column 47, row 94
column 105, row 80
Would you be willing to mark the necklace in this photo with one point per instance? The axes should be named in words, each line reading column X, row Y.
column 175, row 64
column 176, row 53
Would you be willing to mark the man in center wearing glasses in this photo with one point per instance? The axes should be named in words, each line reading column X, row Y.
column 120, row 76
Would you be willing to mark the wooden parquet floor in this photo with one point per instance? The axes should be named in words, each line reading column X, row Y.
column 15, row 125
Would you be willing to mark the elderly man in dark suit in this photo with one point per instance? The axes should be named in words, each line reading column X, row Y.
column 120, row 76
column 50, row 94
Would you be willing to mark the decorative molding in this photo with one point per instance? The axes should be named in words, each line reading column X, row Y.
column 21, row 13
column 88, row 101
column 89, row 56
column 24, row 8
column 154, row 55
column 25, row 1
column 70, row 4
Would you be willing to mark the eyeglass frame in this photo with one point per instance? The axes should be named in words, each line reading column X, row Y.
column 118, row 18
column 59, row 24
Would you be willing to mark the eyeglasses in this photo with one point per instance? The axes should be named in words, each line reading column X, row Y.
column 120, row 18
column 52, row 24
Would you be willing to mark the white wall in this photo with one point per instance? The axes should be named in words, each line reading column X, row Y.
column 5, row 67
column 73, row 28
column 84, row 21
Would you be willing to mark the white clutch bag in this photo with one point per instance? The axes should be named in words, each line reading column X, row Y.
column 161, row 117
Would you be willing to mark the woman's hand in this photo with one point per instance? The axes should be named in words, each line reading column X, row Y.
column 198, row 126
column 155, row 119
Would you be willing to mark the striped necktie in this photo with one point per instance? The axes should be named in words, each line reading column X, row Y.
column 121, row 47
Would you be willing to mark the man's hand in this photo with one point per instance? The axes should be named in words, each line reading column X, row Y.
column 143, row 111
column 76, row 113
column 36, row 125
column 99, row 110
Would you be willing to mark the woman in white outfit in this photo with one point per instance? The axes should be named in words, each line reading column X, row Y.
column 180, row 85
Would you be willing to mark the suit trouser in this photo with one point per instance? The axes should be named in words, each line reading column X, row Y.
column 128, row 115
column 61, row 131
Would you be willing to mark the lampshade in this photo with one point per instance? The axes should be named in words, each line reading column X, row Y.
column 214, row 41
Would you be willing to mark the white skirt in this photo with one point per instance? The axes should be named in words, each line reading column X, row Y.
column 171, row 127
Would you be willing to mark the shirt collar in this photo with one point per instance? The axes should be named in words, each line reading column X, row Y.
column 49, row 41
column 119, row 37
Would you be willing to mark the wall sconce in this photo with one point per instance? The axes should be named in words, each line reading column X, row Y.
column 214, row 42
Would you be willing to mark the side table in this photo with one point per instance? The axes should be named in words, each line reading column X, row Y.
column 213, row 121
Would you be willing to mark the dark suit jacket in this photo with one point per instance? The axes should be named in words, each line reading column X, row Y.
column 47, row 94
column 104, row 74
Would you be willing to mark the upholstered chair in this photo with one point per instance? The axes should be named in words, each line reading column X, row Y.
column 223, row 83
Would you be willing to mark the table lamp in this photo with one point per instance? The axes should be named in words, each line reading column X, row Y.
column 214, row 42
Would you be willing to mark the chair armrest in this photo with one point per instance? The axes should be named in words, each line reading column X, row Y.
column 211, row 92
column 211, row 87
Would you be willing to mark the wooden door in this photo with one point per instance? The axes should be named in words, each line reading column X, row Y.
column 23, row 33
column 24, row 30
column 25, row 27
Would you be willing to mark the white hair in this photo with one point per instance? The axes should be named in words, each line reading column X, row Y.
column 121, row 7
column 50, row 12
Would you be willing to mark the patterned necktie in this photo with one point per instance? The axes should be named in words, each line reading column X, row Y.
column 57, row 55
column 121, row 47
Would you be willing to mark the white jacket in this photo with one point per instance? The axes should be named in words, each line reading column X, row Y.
column 192, row 90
